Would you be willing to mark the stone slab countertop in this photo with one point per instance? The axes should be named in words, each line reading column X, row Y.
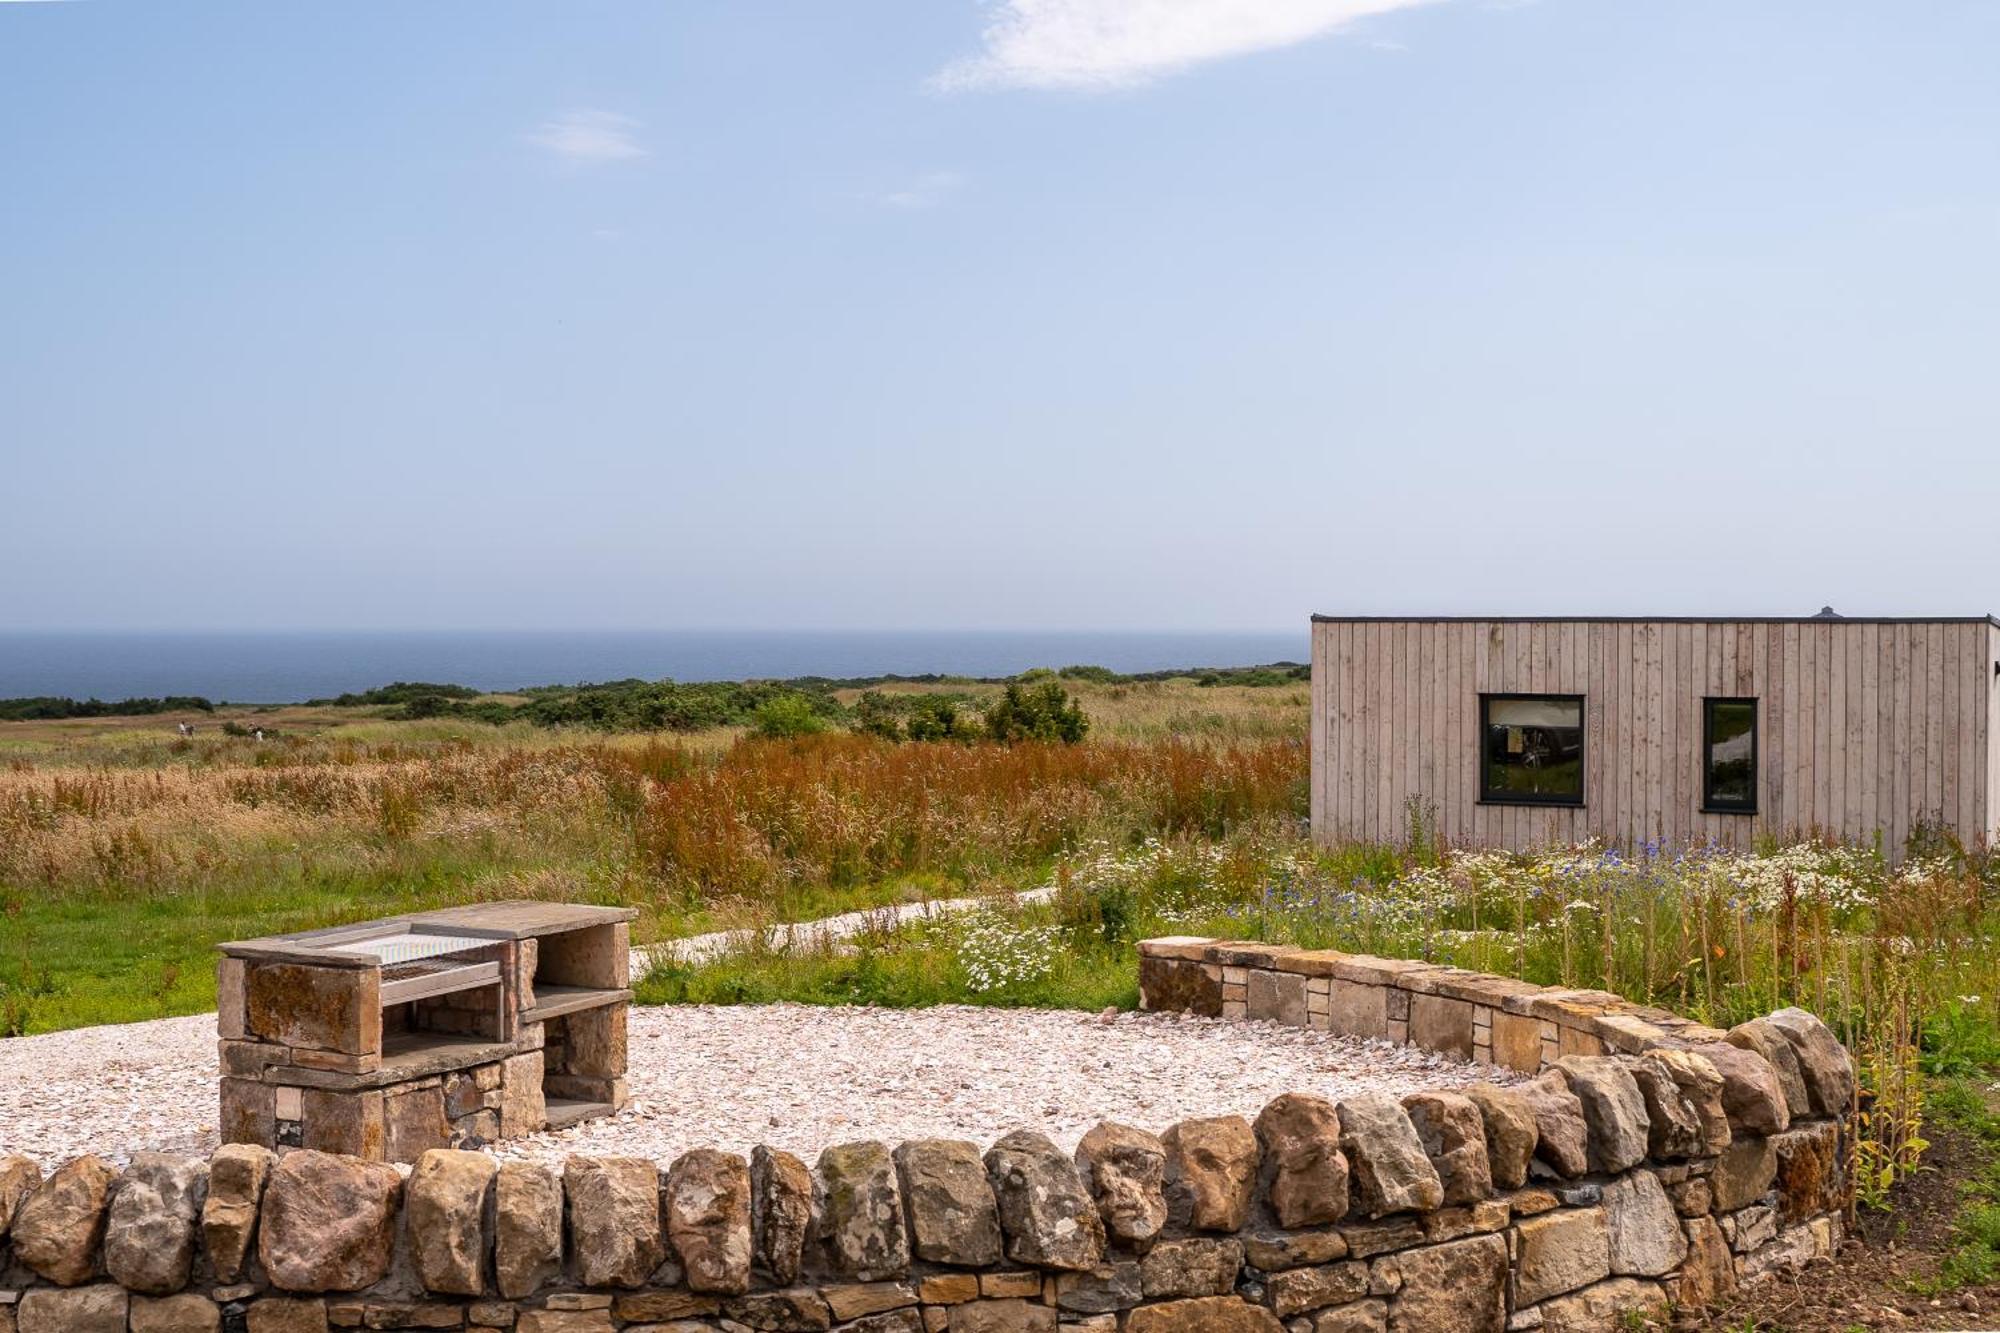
column 515, row 920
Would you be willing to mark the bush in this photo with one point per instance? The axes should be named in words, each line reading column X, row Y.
column 46, row 708
column 401, row 692
column 786, row 716
column 938, row 719
column 875, row 715
column 1044, row 713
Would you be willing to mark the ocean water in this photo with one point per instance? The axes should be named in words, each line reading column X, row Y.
column 287, row 668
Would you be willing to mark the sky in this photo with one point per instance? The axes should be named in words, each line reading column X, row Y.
column 1091, row 314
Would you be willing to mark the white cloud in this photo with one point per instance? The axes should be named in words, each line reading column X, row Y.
column 590, row 136
column 1100, row 44
column 926, row 191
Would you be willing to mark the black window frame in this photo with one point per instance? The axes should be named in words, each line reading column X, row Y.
column 1488, row 796
column 1710, row 805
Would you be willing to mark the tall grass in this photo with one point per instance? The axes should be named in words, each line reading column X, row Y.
column 221, row 840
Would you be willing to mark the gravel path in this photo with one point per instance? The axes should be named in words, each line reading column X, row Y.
column 794, row 1076
column 799, row 935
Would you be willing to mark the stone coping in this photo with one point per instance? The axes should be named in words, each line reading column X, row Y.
column 1611, row 1185
column 1472, row 1015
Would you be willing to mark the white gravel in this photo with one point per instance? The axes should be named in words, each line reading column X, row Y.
column 794, row 1076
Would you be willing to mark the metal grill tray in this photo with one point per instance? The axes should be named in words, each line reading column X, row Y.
column 415, row 967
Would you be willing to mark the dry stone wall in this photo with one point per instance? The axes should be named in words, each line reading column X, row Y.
column 1649, row 1162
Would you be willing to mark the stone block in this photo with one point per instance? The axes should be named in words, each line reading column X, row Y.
column 1439, row 1023
column 595, row 956
column 1188, row 948
column 1048, row 1217
column 597, row 1042
column 615, row 1237
column 248, row 1111
column 231, row 1014
column 1743, row 1173
column 1453, row 1134
column 1809, row 1177
column 1298, row 1290
column 149, row 1239
column 1271, row 1249
column 185, row 1313
column 320, row 1008
column 1211, row 1177
column 350, row 1123
column 1389, row 1172
column 1824, row 1063
column 1646, row 1237
column 99, row 1309
column 1277, row 997
column 1303, row 1174
column 447, row 1220
column 414, row 1123
column 1560, row 1252
column 1358, row 1009
column 781, row 1211
column 952, row 1215
column 1752, row 1098
column 236, row 1177
column 1125, row 1170
column 1578, row 1041
column 1708, row 1273
column 707, row 1203
column 1111, row 1287
column 523, row 1108
column 1170, row 985
column 1517, row 1041
column 1309, row 962
column 1195, row 1266
column 280, row 1314
column 58, row 1226
column 1613, row 1109
column 1461, row 1285
column 527, row 1228
column 1622, row 1302
column 329, row 1223
column 859, row 1202
column 1207, row 1314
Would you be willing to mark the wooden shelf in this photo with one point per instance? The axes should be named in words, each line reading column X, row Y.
column 555, row 1001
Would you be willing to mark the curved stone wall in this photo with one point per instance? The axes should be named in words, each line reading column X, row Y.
column 1650, row 1161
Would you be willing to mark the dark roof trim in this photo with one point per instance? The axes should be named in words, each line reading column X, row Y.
column 1656, row 620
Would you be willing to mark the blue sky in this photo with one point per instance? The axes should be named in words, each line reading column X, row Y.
column 1055, row 313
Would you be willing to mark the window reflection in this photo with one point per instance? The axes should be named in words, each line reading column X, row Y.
column 1533, row 749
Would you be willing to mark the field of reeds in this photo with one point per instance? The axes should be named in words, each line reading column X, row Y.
column 127, row 852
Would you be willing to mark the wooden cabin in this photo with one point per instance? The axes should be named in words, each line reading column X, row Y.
column 1530, row 732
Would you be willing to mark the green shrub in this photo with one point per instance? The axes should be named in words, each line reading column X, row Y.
column 786, row 716
column 936, row 718
column 875, row 714
column 1042, row 713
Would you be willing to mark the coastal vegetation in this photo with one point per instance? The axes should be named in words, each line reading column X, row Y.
column 1149, row 807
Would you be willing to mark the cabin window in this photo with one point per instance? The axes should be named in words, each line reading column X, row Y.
column 1531, row 749
column 1729, row 756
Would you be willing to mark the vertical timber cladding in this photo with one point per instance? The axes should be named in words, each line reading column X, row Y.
column 1863, row 726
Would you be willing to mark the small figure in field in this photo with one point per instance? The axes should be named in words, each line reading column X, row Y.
column 185, row 730
column 259, row 734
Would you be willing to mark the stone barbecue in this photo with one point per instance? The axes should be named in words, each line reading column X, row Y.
column 452, row 1028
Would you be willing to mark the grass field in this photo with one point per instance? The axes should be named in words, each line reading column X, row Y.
column 128, row 851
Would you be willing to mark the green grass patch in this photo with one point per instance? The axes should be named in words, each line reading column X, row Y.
column 1974, row 1256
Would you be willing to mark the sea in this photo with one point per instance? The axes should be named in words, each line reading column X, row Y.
column 266, row 668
